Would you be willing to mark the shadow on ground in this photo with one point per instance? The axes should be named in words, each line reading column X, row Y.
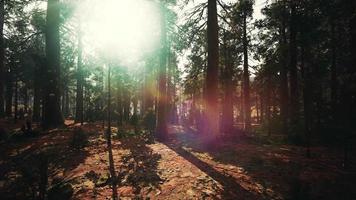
column 139, row 166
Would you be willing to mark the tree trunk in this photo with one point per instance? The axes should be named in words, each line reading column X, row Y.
column 262, row 108
column 16, row 101
column 36, row 101
column 333, row 78
column 211, row 90
column 25, row 98
column 148, row 98
column 162, row 98
column 258, row 110
column 79, row 117
column 227, row 118
column 174, row 104
column 307, row 101
column 2, row 59
column 294, row 94
column 246, row 79
column 119, row 103
column 52, row 113
column 67, row 104
column 268, row 105
column 126, row 102
column 283, row 75
column 9, row 93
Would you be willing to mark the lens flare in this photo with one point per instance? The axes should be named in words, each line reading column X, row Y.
column 122, row 29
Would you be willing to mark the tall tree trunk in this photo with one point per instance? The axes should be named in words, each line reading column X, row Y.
column 174, row 103
column 16, row 100
column 262, row 107
column 307, row 99
column 257, row 106
column 162, row 98
column 108, row 141
column 52, row 113
column 227, row 118
column 67, row 104
column 211, row 90
column 25, row 98
column 349, row 98
column 9, row 92
column 2, row 59
column 294, row 94
column 333, row 78
column 148, row 97
column 63, row 101
column 134, row 105
column 79, row 117
column 241, row 106
column 38, row 88
column 36, row 100
column 246, row 79
column 170, row 96
column 127, row 102
column 283, row 74
column 268, row 105
column 119, row 103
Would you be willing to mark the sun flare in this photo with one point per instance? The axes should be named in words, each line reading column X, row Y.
column 125, row 30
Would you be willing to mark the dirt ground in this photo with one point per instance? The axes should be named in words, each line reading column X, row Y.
column 180, row 168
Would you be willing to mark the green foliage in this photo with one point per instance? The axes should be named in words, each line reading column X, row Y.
column 244, row 8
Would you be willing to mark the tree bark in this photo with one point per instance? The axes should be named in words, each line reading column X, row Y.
column 227, row 118
column 119, row 103
column 283, row 74
column 268, row 105
column 307, row 100
column 9, row 93
column 161, row 129
column 52, row 113
column 148, row 98
column 79, row 117
column 211, row 90
column 294, row 92
column 16, row 101
column 2, row 59
column 246, row 79
column 36, row 101
column 38, row 89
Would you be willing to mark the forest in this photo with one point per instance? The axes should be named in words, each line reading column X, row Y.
column 178, row 99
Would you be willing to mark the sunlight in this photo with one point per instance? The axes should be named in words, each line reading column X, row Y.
column 120, row 29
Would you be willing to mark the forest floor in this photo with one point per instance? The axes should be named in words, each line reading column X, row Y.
column 180, row 168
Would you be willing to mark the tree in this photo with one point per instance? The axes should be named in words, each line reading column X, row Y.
column 52, row 116
column 161, row 129
column 227, row 117
column 244, row 10
column 2, row 59
column 79, row 117
column 211, row 88
column 294, row 92
column 283, row 67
